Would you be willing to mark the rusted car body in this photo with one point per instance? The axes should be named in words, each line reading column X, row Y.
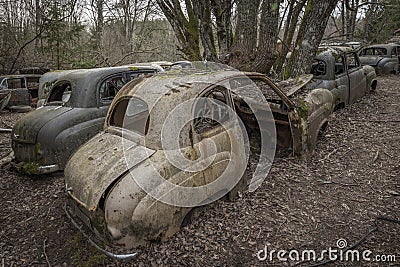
column 103, row 194
column 23, row 88
column 339, row 70
column 74, row 111
column 385, row 58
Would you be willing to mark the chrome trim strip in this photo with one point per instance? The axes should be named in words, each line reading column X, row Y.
column 48, row 169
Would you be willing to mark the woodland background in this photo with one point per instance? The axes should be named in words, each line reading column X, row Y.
column 252, row 35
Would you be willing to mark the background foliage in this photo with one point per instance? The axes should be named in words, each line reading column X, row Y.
column 269, row 36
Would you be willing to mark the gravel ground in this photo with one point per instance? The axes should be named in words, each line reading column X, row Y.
column 304, row 204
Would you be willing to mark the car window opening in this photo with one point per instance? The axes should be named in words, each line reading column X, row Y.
column 110, row 87
column 373, row 51
column 131, row 114
column 33, row 86
column 61, row 93
column 318, row 68
column 352, row 61
column 211, row 110
column 279, row 112
column 339, row 65
column 18, row 83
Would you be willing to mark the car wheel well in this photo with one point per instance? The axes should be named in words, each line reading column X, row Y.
column 374, row 85
column 339, row 106
column 322, row 129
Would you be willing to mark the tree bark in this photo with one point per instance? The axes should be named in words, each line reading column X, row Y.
column 290, row 29
column 222, row 11
column 243, row 51
column 266, row 52
column 186, row 29
column 203, row 10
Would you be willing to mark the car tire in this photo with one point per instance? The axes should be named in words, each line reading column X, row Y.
column 20, row 109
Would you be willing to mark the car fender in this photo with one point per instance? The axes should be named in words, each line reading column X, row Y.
column 321, row 104
column 387, row 66
column 70, row 139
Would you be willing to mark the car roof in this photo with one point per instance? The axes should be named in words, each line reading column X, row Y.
column 335, row 49
column 86, row 80
column 387, row 46
column 180, row 82
column 164, row 92
column 99, row 73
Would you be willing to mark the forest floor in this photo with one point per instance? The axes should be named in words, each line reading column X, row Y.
column 308, row 203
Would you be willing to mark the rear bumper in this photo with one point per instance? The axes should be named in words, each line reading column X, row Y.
column 48, row 169
column 34, row 159
column 68, row 211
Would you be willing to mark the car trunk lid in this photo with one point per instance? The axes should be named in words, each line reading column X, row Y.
column 28, row 127
column 98, row 164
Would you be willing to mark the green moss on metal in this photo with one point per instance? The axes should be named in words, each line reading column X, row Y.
column 85, row 256
column 31, row 168
column 303, row 110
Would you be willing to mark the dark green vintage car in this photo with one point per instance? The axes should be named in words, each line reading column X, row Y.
column 74, row 111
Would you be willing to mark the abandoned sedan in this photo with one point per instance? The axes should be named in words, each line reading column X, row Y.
column 110, row 179
column 339, row 70
column 385, row 58
column 74, row 112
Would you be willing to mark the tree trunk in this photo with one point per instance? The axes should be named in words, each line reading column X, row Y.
column 37, row 22
column 203, row 11
column 186, row 29
column 222, row 11
column 311, row 31
column 243, row 51
column 99, row 22
column 266, row 52
column 290, row 28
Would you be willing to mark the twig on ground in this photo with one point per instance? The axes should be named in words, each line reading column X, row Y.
column 376, row 157
column 3, row 130
column 44, row 252
column 333, row 182
column 330, row 154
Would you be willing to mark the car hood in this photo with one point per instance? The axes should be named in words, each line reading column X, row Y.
column 370, row 60
column 27, row 128
column 294, row 86
column 98, row 163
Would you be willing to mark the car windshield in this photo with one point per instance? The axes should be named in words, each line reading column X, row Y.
column 374, row 51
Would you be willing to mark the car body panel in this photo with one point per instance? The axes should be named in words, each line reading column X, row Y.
column 105, row 190
column 385, row 58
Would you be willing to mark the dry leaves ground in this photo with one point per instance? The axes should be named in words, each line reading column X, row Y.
column 304, row 204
